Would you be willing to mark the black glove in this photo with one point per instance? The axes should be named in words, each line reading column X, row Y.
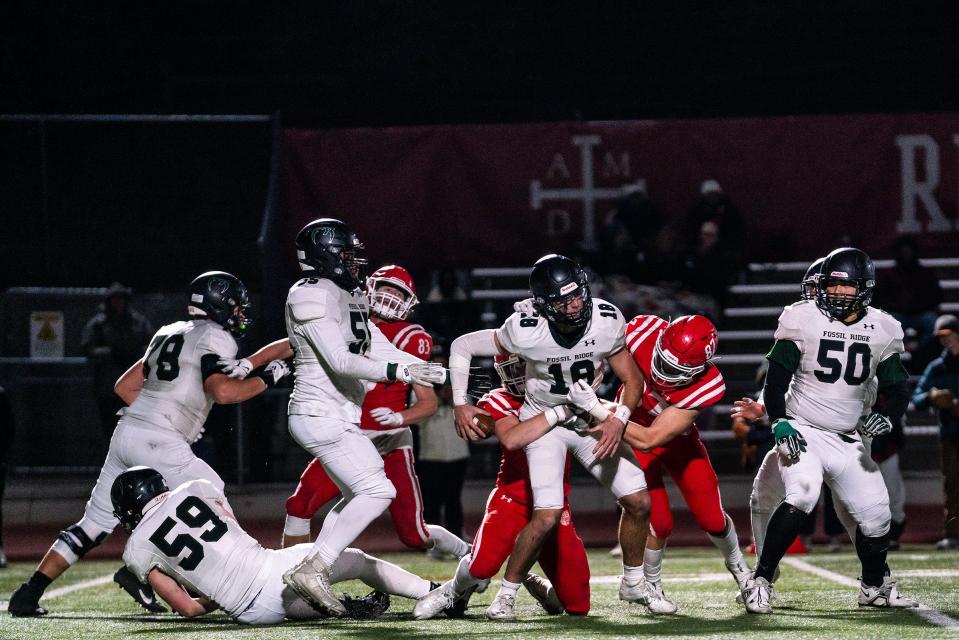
column 372, row 605
column 272, row 372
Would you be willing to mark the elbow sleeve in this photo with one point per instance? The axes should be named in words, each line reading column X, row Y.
column 897, row 400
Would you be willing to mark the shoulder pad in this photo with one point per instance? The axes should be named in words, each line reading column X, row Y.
column 307, row 303
column 218, row 340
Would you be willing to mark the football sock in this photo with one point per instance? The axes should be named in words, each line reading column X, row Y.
column 296, row 526
column 463, row 579
column 652, row 564
column 446, row 542
column 872, row 555
column 728, row 543
column 508, row 588
column 351, row 519
column 39, row 582
column 783, row 528
column 632, row 575
column 381, row 575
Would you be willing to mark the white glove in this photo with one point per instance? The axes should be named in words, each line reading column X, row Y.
column 425, row 373
column 235, row 368
column 874, row 425
column 387, row 417
column 583, row 396
column 524, row 306
column 274, row 372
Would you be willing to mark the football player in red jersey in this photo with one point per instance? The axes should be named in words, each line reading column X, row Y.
column 385, row 421
column 563, row 556
column 676, row 360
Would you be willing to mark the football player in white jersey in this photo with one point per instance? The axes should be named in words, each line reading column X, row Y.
column 337, row 353
column 825, row 354
column 189, row 539
column 169, row 393
column 567, row 340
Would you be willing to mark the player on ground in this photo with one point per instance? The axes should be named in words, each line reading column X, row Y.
column 169, row 392
column 825, row 354
column 187, row 541
column 337, row 352
column 508, row 510
column 566, row 341
column 386, row 417
column 676, row 361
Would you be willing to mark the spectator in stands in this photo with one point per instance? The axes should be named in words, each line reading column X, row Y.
column 911, row 293
column 441, row 466
column 113, row 339
column 708, row 269
column 7, row 429
column 627, row 238
column 939, row 388
column 713, row 205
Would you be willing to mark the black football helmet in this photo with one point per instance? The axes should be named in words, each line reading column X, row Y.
column 329, row 248
column 132, row 490
column 555, row 282
column 808, row 284
column 224, row 299
column 845, row 266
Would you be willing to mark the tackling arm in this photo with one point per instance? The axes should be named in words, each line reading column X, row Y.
column 177, row 597
column 667, row 425
column 612, row 427
column 426, row 405
column 513, row 434
column 278, row 350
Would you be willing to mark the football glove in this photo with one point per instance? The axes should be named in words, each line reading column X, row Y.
column 273, row 372
column 583, row 396
column 789, row 442
column 874, row 425
column 386, row 417
column 373, row 605
column 235, row 368
column 524, row 306
column 424, row 373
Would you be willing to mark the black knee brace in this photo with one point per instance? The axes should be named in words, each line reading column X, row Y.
column 872, row 556
column 78, row 540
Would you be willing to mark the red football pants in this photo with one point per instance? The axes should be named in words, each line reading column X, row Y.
column 563, row 556
column 316, row 488
column 686, row 460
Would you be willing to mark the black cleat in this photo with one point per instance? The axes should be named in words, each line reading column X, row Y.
column 372, row 605
column 25, row 603
column 142, row 593
column 459, row 606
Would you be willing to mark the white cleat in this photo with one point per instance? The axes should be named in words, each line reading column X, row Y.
column 502, row 607
column 756, row 596
column 773, row 596
column 637, row 593
column 657, row 602
column 435, row 602
column 741, row 573
column 310, row 579
column 885, row 596
column 542, row 590
column 617, row 551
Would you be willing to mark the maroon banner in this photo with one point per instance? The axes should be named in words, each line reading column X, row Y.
column 502, row 195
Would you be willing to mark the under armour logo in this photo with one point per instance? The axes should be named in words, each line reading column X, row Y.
column 869, row 326
column 588, row 343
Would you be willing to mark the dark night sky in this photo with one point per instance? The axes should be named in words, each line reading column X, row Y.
column 385, row 63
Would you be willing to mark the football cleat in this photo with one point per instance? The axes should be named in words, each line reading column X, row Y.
column 741, row 573
column 885, row 596
column 772, row 594
column 441, row 598
column 369, row 607
column 633, row 592
column 141, row 593
column 25, row 603
column 543, row 592
column 756, row 596
column 310, row 579
column 501, row 608
column 657, row 602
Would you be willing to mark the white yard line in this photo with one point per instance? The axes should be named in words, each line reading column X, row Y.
column 702, row 577
column 70, row 588
column 927, row 613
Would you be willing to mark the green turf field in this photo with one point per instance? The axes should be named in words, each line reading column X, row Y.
column 809, row 606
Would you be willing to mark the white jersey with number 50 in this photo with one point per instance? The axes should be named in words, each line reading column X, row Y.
column 176, row 363
column 552, row 363
column 838, row 363
column 192, row 538
column 318, row 390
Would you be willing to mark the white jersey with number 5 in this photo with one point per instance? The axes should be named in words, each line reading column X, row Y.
column 192, row 538
column 318, row 390
column 838, row 363
column 178, row 360
column 552, row 363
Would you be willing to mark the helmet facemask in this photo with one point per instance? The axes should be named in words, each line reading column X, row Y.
column 556, row 310
column 840, row 306
column 387, row 304
column 512, row 373
column 667, row 372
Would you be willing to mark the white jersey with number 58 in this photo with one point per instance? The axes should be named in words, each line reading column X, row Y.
column 177, row 362
column 553, row 362
column 838, row 363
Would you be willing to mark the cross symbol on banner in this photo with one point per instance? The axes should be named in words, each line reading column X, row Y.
column 588, row 194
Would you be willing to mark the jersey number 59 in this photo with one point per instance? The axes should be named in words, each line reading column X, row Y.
column 195, row 514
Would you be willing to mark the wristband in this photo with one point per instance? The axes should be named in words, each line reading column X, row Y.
column 391, row 371
column 599, row 412
column 623, row 413
column 555, row 415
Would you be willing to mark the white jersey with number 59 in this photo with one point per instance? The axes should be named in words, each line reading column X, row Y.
column 192, row 538
column 177, row 362
column 838, row 363
column 553, row 362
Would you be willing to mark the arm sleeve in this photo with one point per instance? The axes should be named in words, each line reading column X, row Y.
column 897, row 399
column 920, row 397
column 891, row 372
column 786, row 354
column 774, row 391
column 383, row 350
column 323, row 335
column 478, row 343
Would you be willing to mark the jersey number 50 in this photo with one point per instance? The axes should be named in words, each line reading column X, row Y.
column 834, row 368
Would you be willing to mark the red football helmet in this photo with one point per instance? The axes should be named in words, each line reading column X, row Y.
column 511, row 370
column 683, row 350
column 387, row 304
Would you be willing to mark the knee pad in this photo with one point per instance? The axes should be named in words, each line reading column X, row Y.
column 74, row 542
column 874, row 521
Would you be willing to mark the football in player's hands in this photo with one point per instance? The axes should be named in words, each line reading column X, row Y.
column 486, row 423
